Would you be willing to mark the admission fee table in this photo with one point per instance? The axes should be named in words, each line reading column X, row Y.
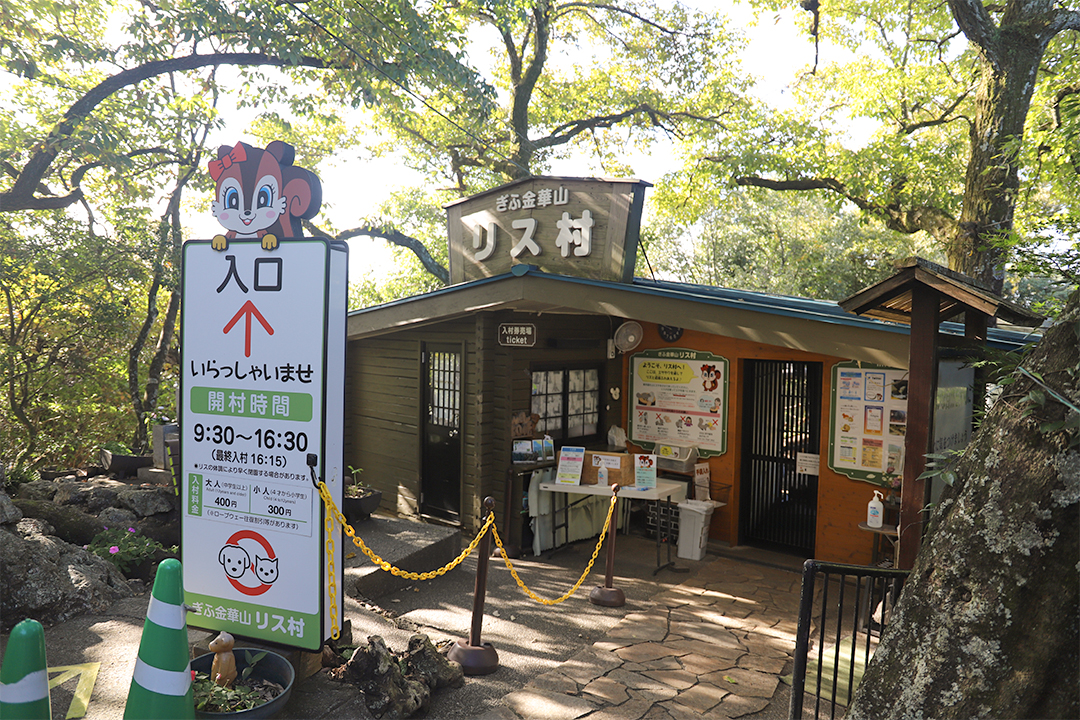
column 669, row 490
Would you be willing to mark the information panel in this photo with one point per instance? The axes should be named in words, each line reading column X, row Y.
column 868, row 421
column 262, row 385
column 679, row 396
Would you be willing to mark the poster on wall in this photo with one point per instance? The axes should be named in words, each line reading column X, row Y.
column 679, row 396
column 868, row 422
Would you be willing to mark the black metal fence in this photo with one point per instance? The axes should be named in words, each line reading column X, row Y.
column 838, row 631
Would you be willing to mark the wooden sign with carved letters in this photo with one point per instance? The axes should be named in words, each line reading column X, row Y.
column 584, row 227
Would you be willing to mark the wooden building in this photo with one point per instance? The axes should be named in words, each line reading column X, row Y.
column 433, row 381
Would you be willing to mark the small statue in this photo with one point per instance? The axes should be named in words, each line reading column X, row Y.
column 223, row 671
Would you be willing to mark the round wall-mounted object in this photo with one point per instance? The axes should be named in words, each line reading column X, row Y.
column 670, row 333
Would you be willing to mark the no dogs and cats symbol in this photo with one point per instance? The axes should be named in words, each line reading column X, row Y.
column 249, row 562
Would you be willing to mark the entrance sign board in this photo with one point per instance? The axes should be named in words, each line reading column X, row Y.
column 262, row 389
column 517, row 335
column 868, row 421
column 679, row 396
column 584, row 227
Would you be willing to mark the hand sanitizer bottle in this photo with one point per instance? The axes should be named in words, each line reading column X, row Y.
column 874, row 510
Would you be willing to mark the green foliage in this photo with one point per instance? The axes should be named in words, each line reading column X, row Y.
column 66, row 297
column 574, row 80
column 116, row 448
column 125, row 547
column 885, row 123
column 768, row 242
column 354, row 486
column 940, row 465
column 14, row 477
column 1045, row 264
column 418, row 215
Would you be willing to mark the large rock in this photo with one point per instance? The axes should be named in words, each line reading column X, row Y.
column 72, row 524
column 9, row 514
column 148, row 501
column 51, row 580
column 92, row 496
column 40, row 490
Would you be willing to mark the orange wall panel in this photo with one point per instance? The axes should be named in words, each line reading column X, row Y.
column 841, row 503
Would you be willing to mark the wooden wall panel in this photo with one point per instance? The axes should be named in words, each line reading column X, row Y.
column 383, row 414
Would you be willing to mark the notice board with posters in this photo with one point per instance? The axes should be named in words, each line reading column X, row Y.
column 262, row 389
column 679, row 396
column 868, row 421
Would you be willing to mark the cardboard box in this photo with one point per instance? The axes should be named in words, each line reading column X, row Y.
column 619, row 466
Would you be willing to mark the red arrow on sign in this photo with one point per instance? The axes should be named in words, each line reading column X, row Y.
column 246, row 312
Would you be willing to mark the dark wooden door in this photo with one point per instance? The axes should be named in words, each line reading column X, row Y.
column 781, row 418
column 440, row 480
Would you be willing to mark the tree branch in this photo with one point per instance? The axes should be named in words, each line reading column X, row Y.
column 568, row 7
column 979, row 28
column 946, row 116
column 562, row 134
column 1055, row 104
column 392, row 236
column 934, row 221
column 1065, row 20
column 21, row 195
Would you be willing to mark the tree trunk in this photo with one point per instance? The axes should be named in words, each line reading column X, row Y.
column 987, row 623
column 1009, row 57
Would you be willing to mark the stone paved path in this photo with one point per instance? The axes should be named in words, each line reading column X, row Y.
column 713, row 647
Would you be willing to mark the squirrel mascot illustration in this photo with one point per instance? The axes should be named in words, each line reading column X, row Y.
column 709, row 380
column 260, row 194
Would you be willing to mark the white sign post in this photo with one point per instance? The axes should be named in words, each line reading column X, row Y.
column 263, row 341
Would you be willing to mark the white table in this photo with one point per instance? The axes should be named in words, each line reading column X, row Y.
column 669, row 490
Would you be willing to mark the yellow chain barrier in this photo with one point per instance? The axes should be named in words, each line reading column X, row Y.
column 334, row 514
column 335, row 632
column 571, row 591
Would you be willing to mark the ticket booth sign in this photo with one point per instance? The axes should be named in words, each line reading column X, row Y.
column 263, row 339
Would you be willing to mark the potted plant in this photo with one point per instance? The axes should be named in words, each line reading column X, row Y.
column 118, row 460
column 359, row 500
column 264, row 681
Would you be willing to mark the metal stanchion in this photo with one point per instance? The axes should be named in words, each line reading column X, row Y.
column 607, row 595
column 476, row 657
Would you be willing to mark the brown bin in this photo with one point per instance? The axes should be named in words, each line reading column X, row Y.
column 623, row 474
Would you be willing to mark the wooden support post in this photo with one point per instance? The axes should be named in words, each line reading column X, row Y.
column 476, row 657
column 608, row 595
column 975, row 332
column 922, row 379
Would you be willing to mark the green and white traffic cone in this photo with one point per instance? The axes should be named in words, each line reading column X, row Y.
column 161, row 685
column 24, row 681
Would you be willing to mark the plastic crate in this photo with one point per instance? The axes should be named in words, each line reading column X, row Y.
column 676, row 458
column 666, row 515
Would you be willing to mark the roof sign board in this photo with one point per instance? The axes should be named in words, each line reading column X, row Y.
column 263, row 337
column 583, row 227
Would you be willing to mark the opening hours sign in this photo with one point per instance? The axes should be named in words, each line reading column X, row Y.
column 262, row 388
